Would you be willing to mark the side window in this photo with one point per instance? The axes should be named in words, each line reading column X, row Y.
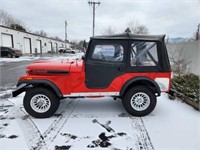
column 110, row 52
column 144, row 54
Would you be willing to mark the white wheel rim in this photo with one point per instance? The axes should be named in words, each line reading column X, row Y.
column 40, row 103
column 140, row 101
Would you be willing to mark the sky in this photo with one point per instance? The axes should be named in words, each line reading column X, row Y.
column 175, row 18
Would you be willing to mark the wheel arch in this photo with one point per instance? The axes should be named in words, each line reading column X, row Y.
column 41, row 83
column 151, row 84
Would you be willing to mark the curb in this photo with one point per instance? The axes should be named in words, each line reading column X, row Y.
column 174, row 94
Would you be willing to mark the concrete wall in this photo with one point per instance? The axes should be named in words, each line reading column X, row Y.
column 18, row 41
column 190, row 52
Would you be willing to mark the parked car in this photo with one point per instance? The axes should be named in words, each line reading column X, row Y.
column 10, row 52
column 66, row 50
column 133, row 68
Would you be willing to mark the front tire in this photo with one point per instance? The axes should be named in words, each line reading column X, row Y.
column 9, row 55
column 40, row 102
column 139, row 101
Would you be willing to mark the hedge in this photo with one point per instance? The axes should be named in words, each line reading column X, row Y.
column 186, row 87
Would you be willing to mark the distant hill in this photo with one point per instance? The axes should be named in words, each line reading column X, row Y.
column 179, row 39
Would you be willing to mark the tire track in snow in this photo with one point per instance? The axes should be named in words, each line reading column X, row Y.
column 31, row 132
column 27, row 126
column 143, row 140
column 6, row 110
column 34, row 138
column 51, row 133
column 37, row 141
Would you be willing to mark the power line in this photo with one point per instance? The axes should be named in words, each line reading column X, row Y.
column 92, row 3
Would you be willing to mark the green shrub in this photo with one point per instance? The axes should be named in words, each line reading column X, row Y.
column 187, row 85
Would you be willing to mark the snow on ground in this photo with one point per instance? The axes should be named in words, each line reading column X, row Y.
column 52, row 57
column 23, row 58
column 100, row 124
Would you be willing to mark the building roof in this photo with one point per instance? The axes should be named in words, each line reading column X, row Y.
column 33, row 34
column 127, row 35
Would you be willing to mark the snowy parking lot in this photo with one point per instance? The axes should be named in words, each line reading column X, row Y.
column 100, row 123
column 30, row 58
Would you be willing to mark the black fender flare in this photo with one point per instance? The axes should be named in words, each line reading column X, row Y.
column 29, row 82
column 136, row 79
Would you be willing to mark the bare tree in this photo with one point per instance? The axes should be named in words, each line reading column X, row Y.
column 7, row 19
column 109, row 31
column 41, row 32
column 74, row 44
column 57, row 38
column 18, row 27
column 137, row 28
column 197, row 34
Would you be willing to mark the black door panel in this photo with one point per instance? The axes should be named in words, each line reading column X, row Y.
column 105, row 61
column 101, row 75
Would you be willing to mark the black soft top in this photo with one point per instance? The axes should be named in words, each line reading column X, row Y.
column 131, row 36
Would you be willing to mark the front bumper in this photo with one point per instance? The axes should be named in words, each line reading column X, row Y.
column 19, row 90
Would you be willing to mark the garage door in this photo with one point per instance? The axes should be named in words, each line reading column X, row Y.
column 7, row 40
column 27, row 45
column 39, row 46
column 50, row 46
column 56, row 47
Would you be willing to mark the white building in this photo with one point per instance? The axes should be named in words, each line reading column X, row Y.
column 29, row 43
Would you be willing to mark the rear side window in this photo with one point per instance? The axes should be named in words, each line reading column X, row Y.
column 144, row 54
column 110, row 52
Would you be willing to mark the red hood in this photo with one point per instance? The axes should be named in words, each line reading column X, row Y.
column 56, row 65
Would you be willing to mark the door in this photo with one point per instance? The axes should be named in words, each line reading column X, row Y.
column 27, row 45
column 105, row 61
column 56, row 47
column 50, row 47
column 39, row 46
column 7, row 40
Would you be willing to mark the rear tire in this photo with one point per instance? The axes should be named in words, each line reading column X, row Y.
column 139, row 101
column 40, row 102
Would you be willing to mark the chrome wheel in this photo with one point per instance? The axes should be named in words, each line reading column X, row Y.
column 40, row 103
column 140, row 101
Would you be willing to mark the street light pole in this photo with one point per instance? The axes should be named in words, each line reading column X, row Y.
column 65, row 30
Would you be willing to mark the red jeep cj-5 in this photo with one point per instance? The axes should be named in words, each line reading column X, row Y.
column 132, row 67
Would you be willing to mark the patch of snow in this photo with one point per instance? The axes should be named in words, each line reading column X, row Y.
column 23, row 58
column 5, row 94
column 102, row 123
column 174, row 125
column 53, row 57
column 13, row 137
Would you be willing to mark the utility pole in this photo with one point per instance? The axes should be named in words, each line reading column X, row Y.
column 92, row 3
column 65, row 30
column 198, row 33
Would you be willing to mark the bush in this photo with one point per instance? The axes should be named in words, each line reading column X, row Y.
column 186, row 86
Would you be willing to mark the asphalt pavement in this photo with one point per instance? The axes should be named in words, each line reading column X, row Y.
column 10, row 72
